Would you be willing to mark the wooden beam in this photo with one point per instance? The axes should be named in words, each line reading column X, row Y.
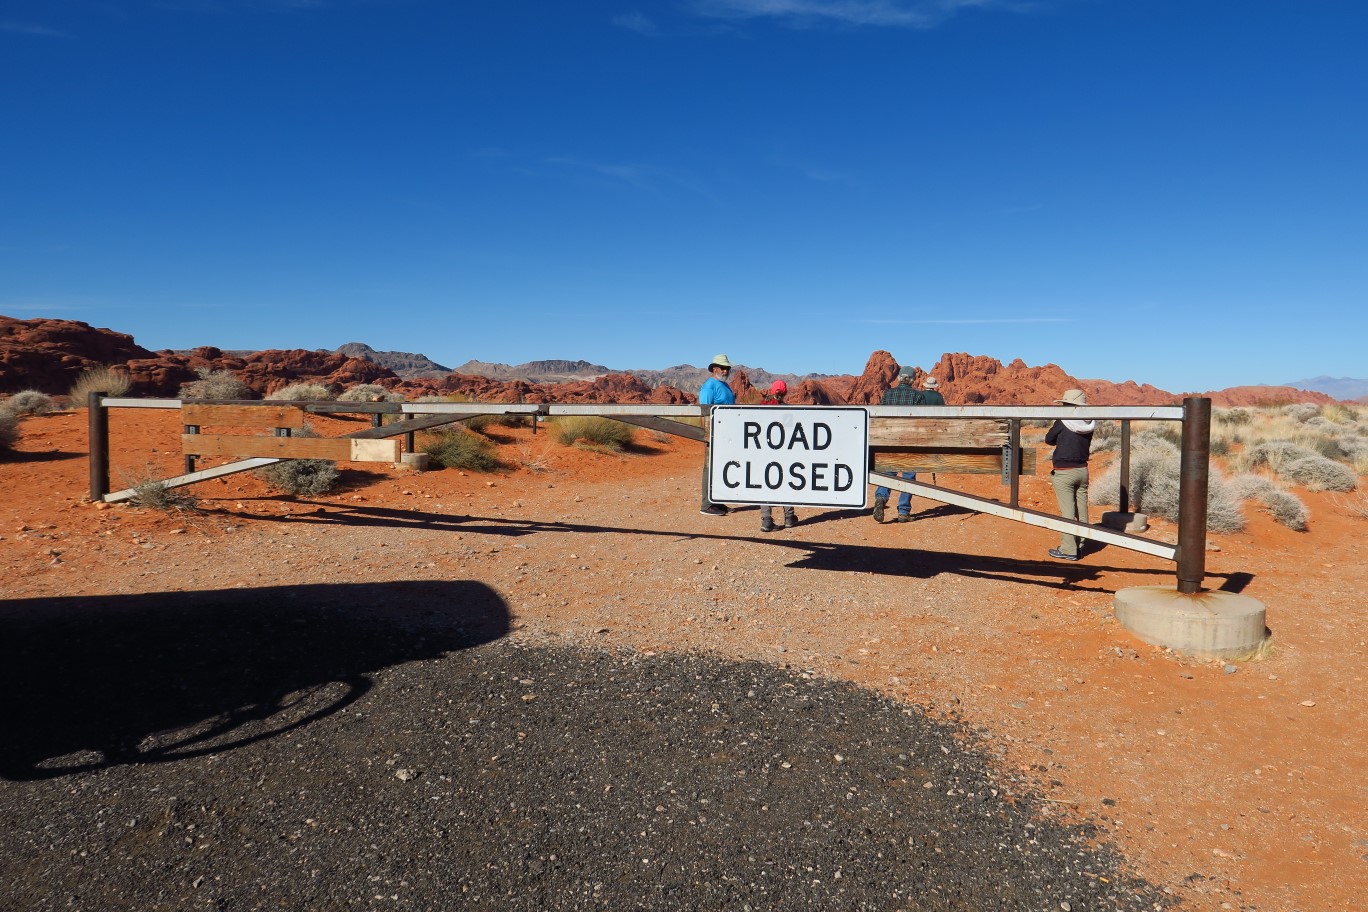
column 242, row 416
column 937, row 432
column 949, row 462
column 341, row 449
column 664, row 425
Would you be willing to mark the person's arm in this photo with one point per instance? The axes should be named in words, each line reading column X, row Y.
column 1053, row 433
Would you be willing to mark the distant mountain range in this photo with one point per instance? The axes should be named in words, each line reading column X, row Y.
column 683, row 377
column 1342, row 388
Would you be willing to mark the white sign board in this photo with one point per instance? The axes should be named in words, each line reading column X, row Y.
column 789, row 455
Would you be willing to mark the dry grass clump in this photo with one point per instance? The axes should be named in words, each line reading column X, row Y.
column 102, row 379
column 593, row 432
column 9, row 430
column 301, row 392
column 1316, row 473
column 158, row 495
column 301, row 477
column 369, row 392
column 458, row 448
column 216, row 384
column 1284, row 506
column 28, row 402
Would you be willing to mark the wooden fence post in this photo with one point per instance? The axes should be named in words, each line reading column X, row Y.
column 1193, row 478
column 97, row 416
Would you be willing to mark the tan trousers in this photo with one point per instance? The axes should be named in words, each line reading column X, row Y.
column 1071, row 490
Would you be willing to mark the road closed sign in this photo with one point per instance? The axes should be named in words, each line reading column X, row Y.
column 789, row 455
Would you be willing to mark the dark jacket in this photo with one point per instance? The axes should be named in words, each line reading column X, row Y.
column 1071, row 447
column 906, row 394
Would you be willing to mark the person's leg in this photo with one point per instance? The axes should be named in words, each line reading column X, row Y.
column 790, row 518
column 1081, row 506
column 1065, row 483
column 905, row 501
column 880, row 502
column 766, row 518
column 706, row 505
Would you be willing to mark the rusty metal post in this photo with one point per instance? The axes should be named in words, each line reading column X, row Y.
column 1124, row 500
column 1193, row 476
column 97, row 416
column 408, row 442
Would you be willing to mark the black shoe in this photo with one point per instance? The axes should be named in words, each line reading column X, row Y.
column 767, row 527
column 790, row 520
column 714, row 510
column 1060, row 555
column 879, row 505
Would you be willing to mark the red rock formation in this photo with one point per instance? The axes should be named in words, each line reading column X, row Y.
column 880, row 373
column 48, row 355
column 1262, row 395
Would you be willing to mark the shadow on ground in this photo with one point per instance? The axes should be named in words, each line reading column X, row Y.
column 91, row 682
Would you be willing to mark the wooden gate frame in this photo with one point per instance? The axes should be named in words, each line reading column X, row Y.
column 891, row 450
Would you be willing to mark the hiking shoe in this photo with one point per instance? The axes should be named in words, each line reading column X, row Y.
column 714, row 510
column 766, row 525
column 790, row 520
column 1060, row 555
column 903, row 517
column 879, row 504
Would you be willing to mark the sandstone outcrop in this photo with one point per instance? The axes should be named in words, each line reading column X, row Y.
column 48, row 355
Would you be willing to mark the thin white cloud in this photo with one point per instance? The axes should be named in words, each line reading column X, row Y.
column 920, row 14
column 28, row 28
column 636, row 22
column 973, row 322
column 648, row 178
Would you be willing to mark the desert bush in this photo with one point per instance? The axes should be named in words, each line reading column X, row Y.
column 301, row 392
column 1234, row 416
column 101, row 379
column 458, row 448
column 480, row 422
column 301, row 477
column 216, row 384
column 369, row 392
column 1339, row 413
column 1284, row 506
column 1272, row 453
column 29, row 402
column 1316, row 473
column 1154, row 485
column 594, row 431
column 158, row 495
column 9, row 430
column 1301, row 411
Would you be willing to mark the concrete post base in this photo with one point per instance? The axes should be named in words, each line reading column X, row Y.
column 1209, row 624
column 1133, row 523
column 416, row 461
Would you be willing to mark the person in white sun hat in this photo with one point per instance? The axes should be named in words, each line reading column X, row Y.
column 714, row 391
column 1072, row 440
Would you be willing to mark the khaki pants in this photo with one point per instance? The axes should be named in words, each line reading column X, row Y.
column 1071, row 490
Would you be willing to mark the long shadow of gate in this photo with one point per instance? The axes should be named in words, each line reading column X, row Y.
column 90, row 682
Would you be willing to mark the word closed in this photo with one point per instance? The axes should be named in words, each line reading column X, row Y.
column 789, row 455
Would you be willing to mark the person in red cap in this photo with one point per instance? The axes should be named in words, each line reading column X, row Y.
column 777, row 391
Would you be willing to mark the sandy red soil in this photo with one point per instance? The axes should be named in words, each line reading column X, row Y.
column 1236, row 785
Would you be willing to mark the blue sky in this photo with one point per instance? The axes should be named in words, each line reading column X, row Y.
column 1174, row 193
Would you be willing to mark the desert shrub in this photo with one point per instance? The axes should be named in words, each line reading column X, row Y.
column 369, row 392
column 480, row 422
column 1284, row 506
column 1234, row 416
column 9, row 430
column 458, row 448
column 1155, row 482
column 1317, row 473
column 1272, row 453
column 305, row 477
column 301, row 392
column 1339, row 413
column 158, row 495
column 1301, row 411
column 100, row 379
column 29, row 402
column 594, row 431
column 216, row 384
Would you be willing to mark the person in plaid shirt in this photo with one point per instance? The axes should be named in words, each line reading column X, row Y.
column 905, row 394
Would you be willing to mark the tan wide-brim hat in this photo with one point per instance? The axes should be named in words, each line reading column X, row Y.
column 1073, row 397
column 719, row 361
column 930, row 383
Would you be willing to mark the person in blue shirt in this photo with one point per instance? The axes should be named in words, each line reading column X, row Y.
column 715, row 391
